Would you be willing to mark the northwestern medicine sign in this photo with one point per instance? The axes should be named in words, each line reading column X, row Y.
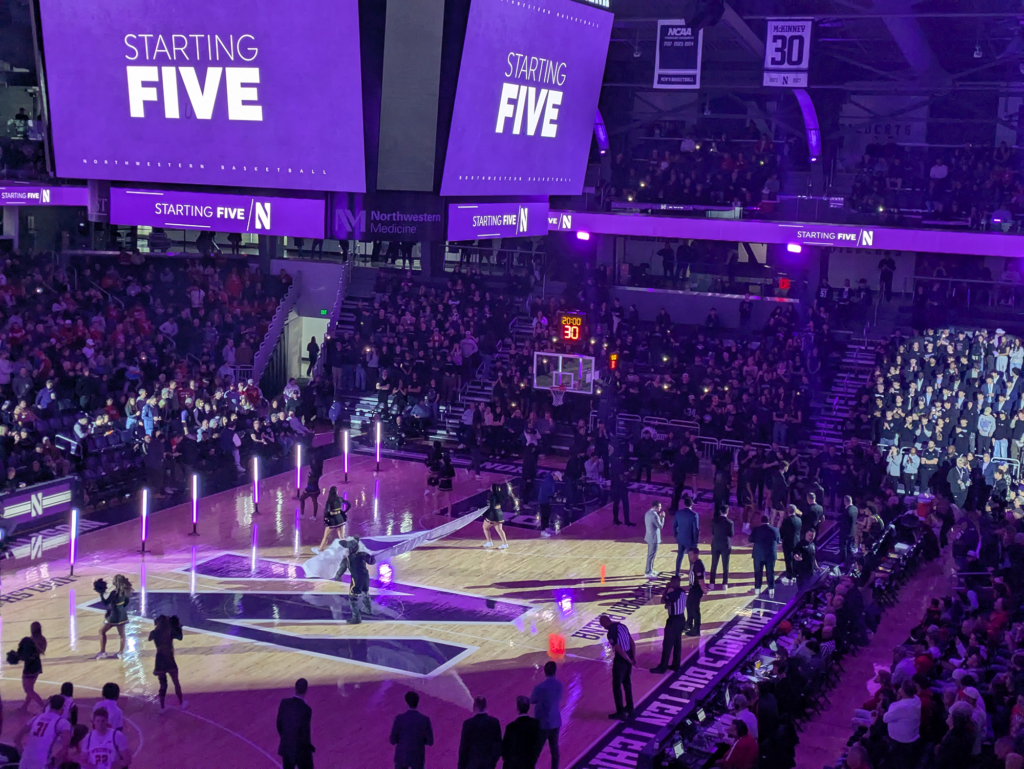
column 400, row 216
column 34, row 195
column 528, row 87
column 482, row 221
column 230, row 92
column 259, row 215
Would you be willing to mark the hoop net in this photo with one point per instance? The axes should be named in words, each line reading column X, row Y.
column 557, row 395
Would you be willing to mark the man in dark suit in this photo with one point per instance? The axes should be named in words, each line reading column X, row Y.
column 765, row 539
column 789, row 530
column 815, row 513
column 686, row 528
column 294, row 718
column 522, row 736
column 480, row 746
column 411, row 734
column 847, row 524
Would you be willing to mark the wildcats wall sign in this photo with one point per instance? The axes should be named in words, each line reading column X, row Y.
column 787, row 51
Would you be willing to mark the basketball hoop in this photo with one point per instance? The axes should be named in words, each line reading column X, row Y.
column 558, row 395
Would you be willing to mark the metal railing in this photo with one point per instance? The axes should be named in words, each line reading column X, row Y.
column 1013, row 465
column 332, row 321
column 968, row 293
column 276, row 327
column 110, row 297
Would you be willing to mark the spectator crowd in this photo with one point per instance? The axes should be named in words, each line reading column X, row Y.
column 671, row 165
column 976, row 185
column 110, row 366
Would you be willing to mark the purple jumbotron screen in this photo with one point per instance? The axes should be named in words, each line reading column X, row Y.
column 526, row 99
column 234, row 93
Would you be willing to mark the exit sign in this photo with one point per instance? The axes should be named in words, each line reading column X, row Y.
column 323, row 312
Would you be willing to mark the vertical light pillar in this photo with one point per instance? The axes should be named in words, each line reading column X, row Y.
column 378, row 445
column 73, row 541
column 344, row 452
column 298, row 469
column 145, row 519
column 255, row 485
column 195, row 505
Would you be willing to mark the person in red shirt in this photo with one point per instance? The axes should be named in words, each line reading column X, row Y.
column 744, row 752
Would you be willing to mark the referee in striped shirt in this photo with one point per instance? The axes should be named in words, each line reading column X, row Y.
column 622, row 666
column 672, row 644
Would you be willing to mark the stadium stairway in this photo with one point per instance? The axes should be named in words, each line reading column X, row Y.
column 829, row 412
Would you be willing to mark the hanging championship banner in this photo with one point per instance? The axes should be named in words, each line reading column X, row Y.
column 677, row 59
column 787, row 51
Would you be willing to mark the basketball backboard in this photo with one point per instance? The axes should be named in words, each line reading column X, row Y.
column 573, row 372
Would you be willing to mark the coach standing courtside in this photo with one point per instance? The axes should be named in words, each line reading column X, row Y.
column 294, row 721
column 654, row 519
column 765, row 539
column 411, row 734
column 686, row 528
column 847, row 523
column 547, row 702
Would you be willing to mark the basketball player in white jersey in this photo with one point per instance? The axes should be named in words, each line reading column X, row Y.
column 44, row 740
column 104, row 748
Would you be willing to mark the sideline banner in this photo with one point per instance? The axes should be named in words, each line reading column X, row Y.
column 325, row 565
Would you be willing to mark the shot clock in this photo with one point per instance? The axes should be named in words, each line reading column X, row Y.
column 573, row 327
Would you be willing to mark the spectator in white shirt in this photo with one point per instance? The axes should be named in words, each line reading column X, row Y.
column 939, row 171
column 169, row 328
column 904, row 668
column 743, row 714
column 904, row 716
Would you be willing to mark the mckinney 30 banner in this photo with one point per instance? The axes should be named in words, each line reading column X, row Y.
column 787, row 51
column 677, row 59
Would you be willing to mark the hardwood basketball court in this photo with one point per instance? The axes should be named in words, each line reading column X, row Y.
column 451, row 621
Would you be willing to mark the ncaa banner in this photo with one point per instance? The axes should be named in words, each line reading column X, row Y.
column 677, row 58
column 787, row 51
